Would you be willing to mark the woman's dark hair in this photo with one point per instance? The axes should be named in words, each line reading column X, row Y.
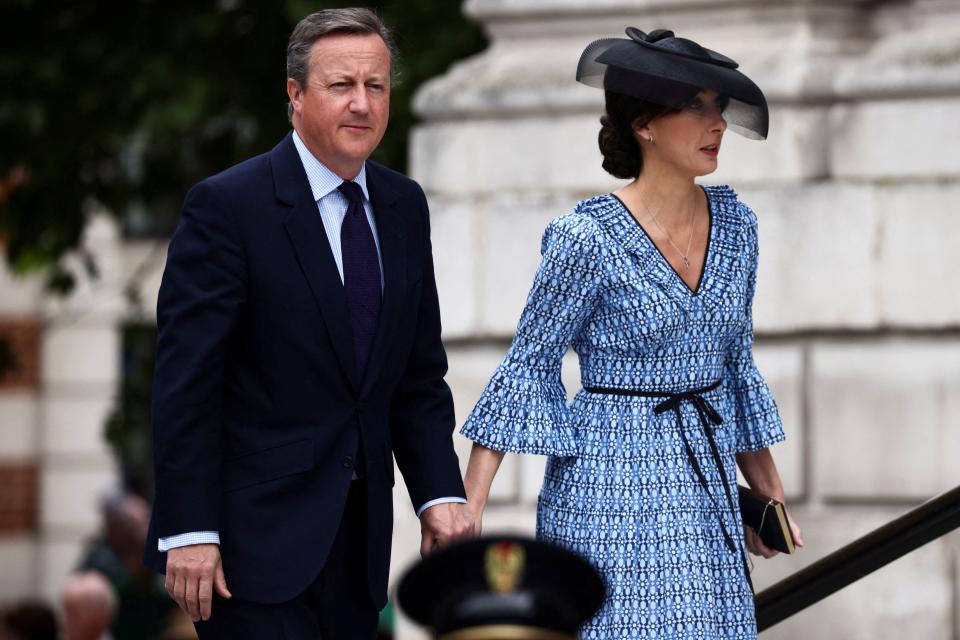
column 621, row 152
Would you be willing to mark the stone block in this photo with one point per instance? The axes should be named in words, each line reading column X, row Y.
column 796, row 150
column 910, row 598
column 550, row 153
column 18, row 557
column 817, row 257
column 456, row 263
column 894, row 139
column 782, row 367
column 513, row 78
column 520, row 519
column 884, row 416
column 81, row 354
column 75, row 426
column 470, row 368
column 915, row 56
column 18, row 424
column 530, row 474
column 60, row 556
column 512, row 231
column 70, row 496
column 505, row 488
column 918, row 254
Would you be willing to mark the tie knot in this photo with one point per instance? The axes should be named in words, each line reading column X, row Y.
column 351, row 191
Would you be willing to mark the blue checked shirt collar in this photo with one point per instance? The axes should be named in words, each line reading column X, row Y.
column 322, row 180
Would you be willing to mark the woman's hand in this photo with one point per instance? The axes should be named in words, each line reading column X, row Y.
column 481, row 469
column 756, row 546
column 761, row 474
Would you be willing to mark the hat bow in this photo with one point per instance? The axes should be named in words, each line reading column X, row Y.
column 665, row 41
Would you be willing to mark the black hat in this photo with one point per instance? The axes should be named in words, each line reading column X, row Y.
column 661, row 68
column 502, row 587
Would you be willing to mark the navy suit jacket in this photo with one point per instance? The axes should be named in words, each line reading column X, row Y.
column 258, row 409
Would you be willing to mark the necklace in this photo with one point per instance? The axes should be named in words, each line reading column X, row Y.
column 683, row 254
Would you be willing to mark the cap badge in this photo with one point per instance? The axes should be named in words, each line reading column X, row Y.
column 505, row 563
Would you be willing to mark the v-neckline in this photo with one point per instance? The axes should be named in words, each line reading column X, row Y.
column 706, row 254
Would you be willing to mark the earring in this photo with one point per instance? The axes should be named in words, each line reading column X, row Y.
column 650, row 138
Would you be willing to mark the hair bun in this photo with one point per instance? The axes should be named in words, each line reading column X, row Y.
column 621, row 154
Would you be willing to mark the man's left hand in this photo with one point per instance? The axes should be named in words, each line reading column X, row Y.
column 442, row 524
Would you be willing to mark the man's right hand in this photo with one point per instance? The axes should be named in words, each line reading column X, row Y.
column 442, row 524
column 193, row 572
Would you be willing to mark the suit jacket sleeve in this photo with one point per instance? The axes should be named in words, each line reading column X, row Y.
column 421, row 416
column 201, row 295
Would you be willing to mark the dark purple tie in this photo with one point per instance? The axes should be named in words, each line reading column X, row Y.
column 361, row 274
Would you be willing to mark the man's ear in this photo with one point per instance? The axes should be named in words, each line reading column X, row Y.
column 295, row 93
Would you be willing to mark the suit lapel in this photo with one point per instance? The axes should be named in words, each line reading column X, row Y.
column 393, row 256
column 312, row 249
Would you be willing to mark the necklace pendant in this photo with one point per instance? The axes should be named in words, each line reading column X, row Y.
column 686, row 263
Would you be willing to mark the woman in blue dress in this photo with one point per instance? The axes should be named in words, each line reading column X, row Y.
column 652, row 286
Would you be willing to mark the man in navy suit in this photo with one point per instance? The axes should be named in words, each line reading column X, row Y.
column 298, row 352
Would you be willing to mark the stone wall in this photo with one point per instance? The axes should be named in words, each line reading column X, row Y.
column 857, row 310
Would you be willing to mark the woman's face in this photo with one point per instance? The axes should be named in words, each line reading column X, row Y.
column 688, row 139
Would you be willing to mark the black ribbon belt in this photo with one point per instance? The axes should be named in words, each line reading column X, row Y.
column 708, row 417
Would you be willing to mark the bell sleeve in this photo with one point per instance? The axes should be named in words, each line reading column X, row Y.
column 755, row 413
column 524, row 406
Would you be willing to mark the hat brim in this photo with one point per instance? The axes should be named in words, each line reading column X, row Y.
column 623, row 66
column 449, row 590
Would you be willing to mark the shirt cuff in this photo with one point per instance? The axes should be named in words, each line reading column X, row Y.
column 427, row 505
column 184, row 539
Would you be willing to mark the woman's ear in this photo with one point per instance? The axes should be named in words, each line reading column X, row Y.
column 641, row 130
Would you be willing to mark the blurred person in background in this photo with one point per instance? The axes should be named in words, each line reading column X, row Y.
column 89, row 605
column 28, row 620
column 144, row 609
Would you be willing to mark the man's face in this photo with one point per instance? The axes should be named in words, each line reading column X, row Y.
column 341, row 114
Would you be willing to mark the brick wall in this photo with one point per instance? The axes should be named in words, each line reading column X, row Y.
column 23, row 338
column 18, row 497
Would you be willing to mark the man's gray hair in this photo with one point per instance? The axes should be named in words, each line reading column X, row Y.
column 355, row 20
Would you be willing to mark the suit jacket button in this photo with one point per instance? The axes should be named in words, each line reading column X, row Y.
column 347, row 462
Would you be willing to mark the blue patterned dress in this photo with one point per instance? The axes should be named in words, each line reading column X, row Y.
column 620, row 487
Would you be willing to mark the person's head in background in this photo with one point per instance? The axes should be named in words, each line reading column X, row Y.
column 88, row 606
column 28, row 620
column 126, row 517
